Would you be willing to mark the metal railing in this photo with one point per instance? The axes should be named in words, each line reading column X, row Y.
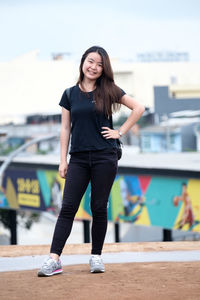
column 14, row 153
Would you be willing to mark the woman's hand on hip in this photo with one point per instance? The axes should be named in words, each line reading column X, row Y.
column 110, row 133
column 63, row 169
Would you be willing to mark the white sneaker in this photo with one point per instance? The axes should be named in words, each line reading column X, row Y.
column 96, row 264
column 50, row 267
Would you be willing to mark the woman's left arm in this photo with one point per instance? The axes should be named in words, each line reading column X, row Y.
column 136, row 113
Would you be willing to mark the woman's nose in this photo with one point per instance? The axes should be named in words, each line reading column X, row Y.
column 93, row 66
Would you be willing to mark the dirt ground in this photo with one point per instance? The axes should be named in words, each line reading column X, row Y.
column 145, row 281
column 20, row 250
column 121, row 281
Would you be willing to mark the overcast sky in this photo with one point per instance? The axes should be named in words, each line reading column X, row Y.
column 123, row 27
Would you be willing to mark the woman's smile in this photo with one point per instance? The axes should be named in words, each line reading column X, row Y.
column 92, row 66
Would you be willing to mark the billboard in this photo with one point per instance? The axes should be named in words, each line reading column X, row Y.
column 168, row 202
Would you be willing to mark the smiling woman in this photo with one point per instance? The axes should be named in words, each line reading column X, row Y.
column 87, row 118
column 92, row 66
column 96, row 74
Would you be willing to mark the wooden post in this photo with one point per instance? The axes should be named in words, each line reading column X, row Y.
column 86, row 231
column 167, row 235
column 13, row 227
column 117, row 234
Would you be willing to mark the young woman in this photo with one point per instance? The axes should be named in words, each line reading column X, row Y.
column 86, row 117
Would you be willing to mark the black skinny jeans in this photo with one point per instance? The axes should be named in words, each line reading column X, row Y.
column 99, row 167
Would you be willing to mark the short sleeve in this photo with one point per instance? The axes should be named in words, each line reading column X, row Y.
column 64, row 102
column 122, row 93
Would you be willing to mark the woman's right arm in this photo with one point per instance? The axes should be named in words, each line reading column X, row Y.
column 64, row 141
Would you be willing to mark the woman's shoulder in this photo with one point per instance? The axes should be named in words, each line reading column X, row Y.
column 71, row 88
column 66, row 99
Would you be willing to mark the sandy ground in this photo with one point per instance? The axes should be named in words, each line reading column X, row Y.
column 20, row 250
column 121, row 281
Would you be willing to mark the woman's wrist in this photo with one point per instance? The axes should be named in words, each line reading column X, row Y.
column 120, row 133
column 63, row 161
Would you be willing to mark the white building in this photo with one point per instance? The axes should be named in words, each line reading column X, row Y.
column 29, row 86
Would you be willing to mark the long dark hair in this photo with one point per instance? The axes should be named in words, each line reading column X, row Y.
column 107, row 94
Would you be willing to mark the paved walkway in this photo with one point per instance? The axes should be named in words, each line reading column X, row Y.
column 35, row 261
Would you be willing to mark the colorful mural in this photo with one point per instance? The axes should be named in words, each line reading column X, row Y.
column 168, row 202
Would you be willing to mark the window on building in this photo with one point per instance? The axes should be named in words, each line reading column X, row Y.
column 172, row 139
column 147, row 142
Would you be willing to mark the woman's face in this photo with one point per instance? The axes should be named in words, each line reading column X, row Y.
column 93, row 66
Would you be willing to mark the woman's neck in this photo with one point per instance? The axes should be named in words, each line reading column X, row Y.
column 88, row 85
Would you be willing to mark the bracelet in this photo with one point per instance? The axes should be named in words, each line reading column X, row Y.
column 120, row 133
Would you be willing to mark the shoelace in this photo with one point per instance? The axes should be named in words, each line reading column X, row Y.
column 97, row 260
column 47, row 263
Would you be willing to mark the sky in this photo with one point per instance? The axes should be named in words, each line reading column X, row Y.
column 124, row 28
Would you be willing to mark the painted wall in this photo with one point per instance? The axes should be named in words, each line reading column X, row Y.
column 167, row 202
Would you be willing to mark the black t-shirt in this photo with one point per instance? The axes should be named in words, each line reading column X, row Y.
column 86, row 122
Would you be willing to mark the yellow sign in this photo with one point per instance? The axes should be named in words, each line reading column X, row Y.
column 28, row 185
column 29, row 200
